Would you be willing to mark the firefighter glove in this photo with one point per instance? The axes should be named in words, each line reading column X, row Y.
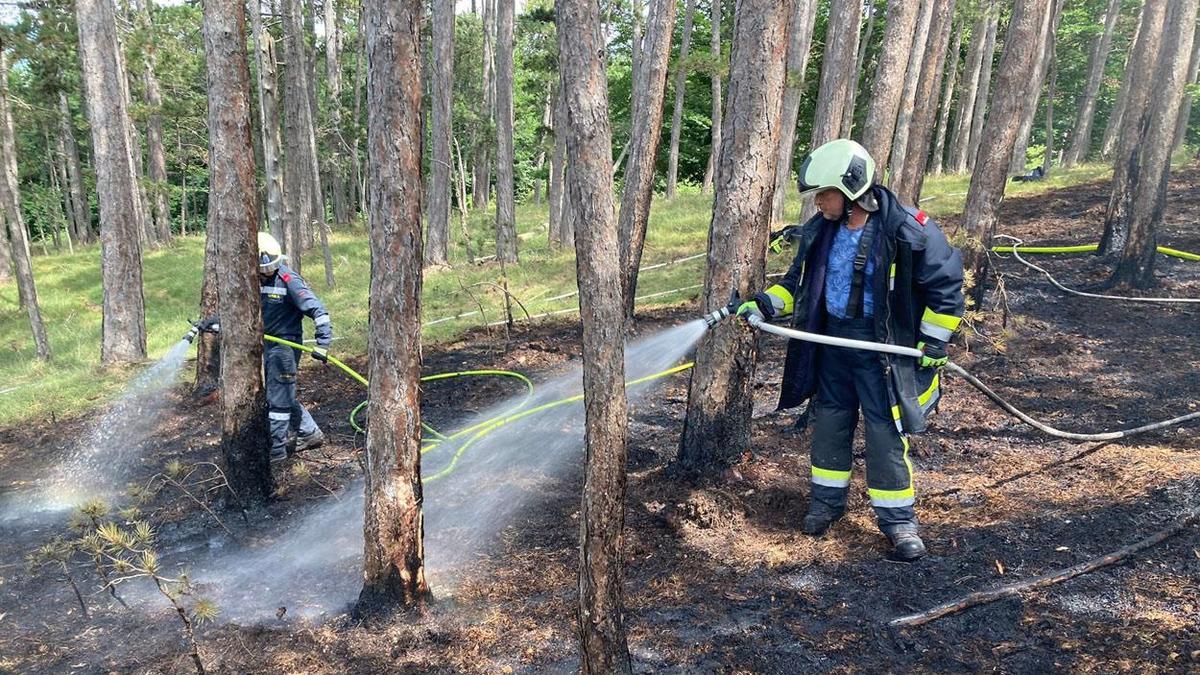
column 321, row 354
column 934, row 354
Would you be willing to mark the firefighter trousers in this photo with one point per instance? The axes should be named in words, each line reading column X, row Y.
column 284, row 412
column 847, row 380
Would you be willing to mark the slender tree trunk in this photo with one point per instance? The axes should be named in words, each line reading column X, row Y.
column 635, row 46
column 844, row 19
column 556, row 193
column 1000, row 133
column 644, row 140
column 1051, row 82
column 888, row 87
column 799, row 47
column 233, row 216
column 982, row 96
column 79, row 200
column 208, row 353
column 394, row 561
column 156, row 154
column 547, row 126
column 1126, row 169
column 908, row 100
column 1044, row 46
column 937, row 160
column 10, row 199
column 1081, row 133
column 301, row 177
column 360, row 66
column 1112, row 128
column 589, row 141
column 124, row 327
column 437, row 248
column 506, row 226
column 60, row 177
column 717, row 65
column 337, row 142
column 1193, row 76
column 268, row 116
column 720, row 399
column 911, row 176
column 852, row 82
column 482, row 167
column 681, row 72
column 183, row 186
column 1148, row 178
column 146, row 230
column 961, row 139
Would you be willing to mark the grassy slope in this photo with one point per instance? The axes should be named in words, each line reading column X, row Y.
column 70, row 293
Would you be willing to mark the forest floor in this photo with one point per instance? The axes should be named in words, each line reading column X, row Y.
column 718, row 577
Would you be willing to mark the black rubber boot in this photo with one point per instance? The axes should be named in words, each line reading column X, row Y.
column 816, row 522
column 313, row 440
column 907, row 547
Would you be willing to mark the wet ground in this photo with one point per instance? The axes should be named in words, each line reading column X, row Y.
column 719, row 579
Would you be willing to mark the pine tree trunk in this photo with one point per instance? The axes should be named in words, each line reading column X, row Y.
column 357, row 163
column 6, row 262
column 720, row 399
column 908, row 102
column 268, row 116
column 1148, row 178
column 1193, row 76
column 481, row 166
column 912, row 174
column 681, row 72
column 799, row 47
column 961, row 139
column 604, row 648
column 437, row 245
column 1112, row 128
column 644, row 140
column 1143, row 58
column 155, row 152
column 1081, row 133
column 844, row 19
column 636, row 47
column 62, row 183
column 1045, row 44
column 233, row 216
column 982, row 95
column 888, row 87
column 547, row 126
column 79, row 200
column 938, row 159
column 714, row 48
column 556, row 193
column 506, row 225
column 393, row 530
column 124, row 326
column 337, row 142
column 300, row 176
column 1051, row 83
column 852, row 83
column 1000, row 133
column 208, row 353
column 10, row 200
column 147, row 233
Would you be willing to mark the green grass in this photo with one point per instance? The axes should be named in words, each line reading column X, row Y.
column 70, row 293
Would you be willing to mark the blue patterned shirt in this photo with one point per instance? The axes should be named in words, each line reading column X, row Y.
column 841, row 271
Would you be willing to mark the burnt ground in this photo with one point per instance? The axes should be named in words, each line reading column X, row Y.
column 718, row 576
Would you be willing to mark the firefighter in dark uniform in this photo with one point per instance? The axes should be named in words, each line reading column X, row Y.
column 286, row 300
column 867, row 268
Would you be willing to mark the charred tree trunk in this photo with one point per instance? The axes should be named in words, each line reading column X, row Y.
column 1044, row 46
column 1148, row 178
column 589, row 142
column 437, row 244
column 268, row 116
column 717, row 65
column 1000, row 133
column 961, row 139
column 983, row 95
column 155, row 152
column 717, row 427
column 912, row 174
column 844, row 19
column 912, row 77
column 506, row 225
column 10, row 199
column 233, row 216
column 852, row 82
column 799, row 47
column 888, row 87
column 1142, row 59
column 482, row 164
column 1112, row 128
column 124, row 327
column 79, row 200
column 938, row 159
column 337, row 142
column 646, row 135
column 681, row 72
column 1081, row 133
column 394, row 561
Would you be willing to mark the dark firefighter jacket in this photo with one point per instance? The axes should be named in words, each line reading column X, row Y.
column 923, row 290
column 286, row 299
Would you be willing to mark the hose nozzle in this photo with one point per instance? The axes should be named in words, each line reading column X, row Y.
column 206, row 325
column 717, row 316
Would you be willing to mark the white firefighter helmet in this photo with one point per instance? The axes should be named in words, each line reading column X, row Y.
column 270, row 254
column 842, row 165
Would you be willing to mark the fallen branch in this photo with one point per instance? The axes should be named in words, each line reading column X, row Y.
column 1009, row 590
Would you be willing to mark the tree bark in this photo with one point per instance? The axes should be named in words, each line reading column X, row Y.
column 156, row 154
column 62, row 184
column 1081, row 133
column 938, row 159
column 10, row 199
column 1112, row 128
column 547, row 126
column 481, row 165
column 1000, row 133
column 124, row 327
column 268, row 116
column 961, row 139
column 681, row 72
column 720, row 398
column 556, row 193
column 1185, row 114
column 645, row 137
column 888, row 87
column 844, row 19
column 717, row 65
column 589, row 141
column 337, row 142
column 208, row 353
column 982, row 95
column 1051, row 83
column 912, row 174
column 437, row 248
column 799, row 47
column 912, row 77
column 852, row 82
column 1045, row 45
column 1151, row 165
column 393, row 529
column 506, row 226
column 79, row 200
column 1142, row 59
column 233, row 216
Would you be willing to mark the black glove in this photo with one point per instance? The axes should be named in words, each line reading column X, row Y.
column 209, row 324
column 783, row 238
column 321, row 353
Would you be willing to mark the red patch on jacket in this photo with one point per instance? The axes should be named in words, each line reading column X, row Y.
column 921, row 218
column 287, row 277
